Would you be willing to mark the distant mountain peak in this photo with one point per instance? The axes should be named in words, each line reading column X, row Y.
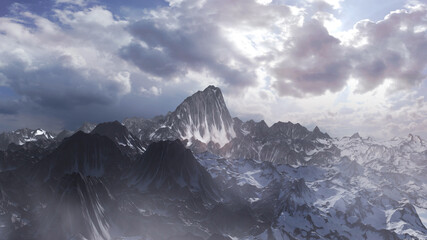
column 355, row 135
column 24, row 135
column 319, row 134
column 316, row 130
column 87, row 127
column 412, row 137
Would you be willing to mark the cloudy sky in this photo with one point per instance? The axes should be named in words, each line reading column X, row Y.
column 344, row 65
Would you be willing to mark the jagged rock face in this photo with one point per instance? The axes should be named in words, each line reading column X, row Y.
column 88, row 154
column 281, row 143
column 21, row 136
column 288, row 130
column 142, row 128
column 27, row 154
column 204, row 117
column 168, row 165
column 384, row 156
column 118, row 133
column 164, row 133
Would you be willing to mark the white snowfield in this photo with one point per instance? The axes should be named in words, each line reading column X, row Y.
column 376, row 190
column 220, row 133
column 22, row 136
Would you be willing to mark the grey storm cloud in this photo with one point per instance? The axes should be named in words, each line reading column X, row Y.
column 152, row 60
column 9, row 107
column 59, row 87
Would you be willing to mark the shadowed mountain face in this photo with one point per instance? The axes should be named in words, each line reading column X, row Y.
column 88, row 154
column 196, row 173
column 119, row 134
column 168, row 166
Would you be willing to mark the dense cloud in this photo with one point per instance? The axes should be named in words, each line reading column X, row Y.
column 315, row 61
column 292, row 45
column 196, row 44
column 80, row 59
column 60, row 87
column 52, row 67
column 8, row 107
column 394, row 49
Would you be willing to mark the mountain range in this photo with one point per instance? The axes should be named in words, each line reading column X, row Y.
column 199, row 173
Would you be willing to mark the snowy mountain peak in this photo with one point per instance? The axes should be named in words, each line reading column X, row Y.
column 203, row 116
column 24, row 135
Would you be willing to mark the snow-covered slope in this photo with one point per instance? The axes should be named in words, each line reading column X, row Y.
column 338, row 200
column 168, row 166
column 21, row 136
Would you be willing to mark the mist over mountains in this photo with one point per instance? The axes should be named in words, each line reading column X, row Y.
column 199, row 173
